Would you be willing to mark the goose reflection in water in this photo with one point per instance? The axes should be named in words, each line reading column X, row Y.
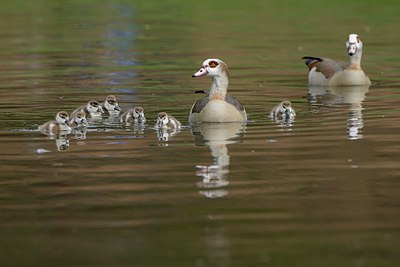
column 62, row 138
column 62, row 142
column 80, row 133
column 163, row 134
column 216, row 136
column 351, row 95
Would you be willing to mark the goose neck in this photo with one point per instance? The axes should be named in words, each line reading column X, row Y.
column 219, row 87
column 355, row 60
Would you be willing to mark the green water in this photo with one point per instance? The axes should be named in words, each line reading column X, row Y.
column 323, row 191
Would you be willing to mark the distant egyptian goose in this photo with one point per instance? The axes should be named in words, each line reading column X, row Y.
column 60, row 124
column 283, row 112
column 217, row 105
column 78, row 120
column 111, row 106
column 134, row 115
column 325, row 71
column 165, row 121
column 91, row 109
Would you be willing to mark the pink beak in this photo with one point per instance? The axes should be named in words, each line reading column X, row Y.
column 200, row 72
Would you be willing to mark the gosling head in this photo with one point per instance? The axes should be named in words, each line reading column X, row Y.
column 212, row 67
column 111, row 104
column 353, row 44
column 62, row 117
column 80, row 118
column 138, row 114
column 286, row 107
column 162, row 119
column 93, row 107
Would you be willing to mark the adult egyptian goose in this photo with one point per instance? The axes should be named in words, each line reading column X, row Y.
column 217, row 105
column 325, row 71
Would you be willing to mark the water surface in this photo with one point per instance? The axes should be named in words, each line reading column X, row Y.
column 320, row 191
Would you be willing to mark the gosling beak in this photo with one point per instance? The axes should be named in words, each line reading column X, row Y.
column 200, row 72
column 117, row 108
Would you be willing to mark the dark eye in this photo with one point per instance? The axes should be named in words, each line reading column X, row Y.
column 213, row 64
column 111, row 102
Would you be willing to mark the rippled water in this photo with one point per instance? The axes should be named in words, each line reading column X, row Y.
column 321, row 191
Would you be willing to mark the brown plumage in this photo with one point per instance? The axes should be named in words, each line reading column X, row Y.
column 326, row 66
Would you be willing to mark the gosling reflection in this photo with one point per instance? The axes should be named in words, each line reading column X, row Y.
column 80, row 133
column 164, row 134
column 351, row 95
column 62, row 142
column 138, row 128
column 216, row 136
column 62, row 139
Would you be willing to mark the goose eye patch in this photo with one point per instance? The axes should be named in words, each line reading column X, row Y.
column 213, row 64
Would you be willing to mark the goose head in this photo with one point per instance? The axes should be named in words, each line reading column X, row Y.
column 212, row 67
column 162, row 119
column 286, row 107
column 62, row 117
column 111, row 103
column 93, row 107
column 80, row 118
column 353, row 44
column 138, row 114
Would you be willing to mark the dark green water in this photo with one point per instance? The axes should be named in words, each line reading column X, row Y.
column 321, row 192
